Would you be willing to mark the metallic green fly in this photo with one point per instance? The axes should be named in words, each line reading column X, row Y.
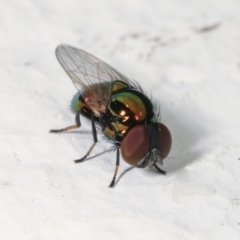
column 124, row 112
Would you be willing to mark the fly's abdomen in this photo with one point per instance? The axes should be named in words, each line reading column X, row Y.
column 76, row 104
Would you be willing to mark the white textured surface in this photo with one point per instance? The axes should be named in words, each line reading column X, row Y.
column 195, row 75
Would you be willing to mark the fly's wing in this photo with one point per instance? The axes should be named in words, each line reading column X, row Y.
column 89, row 74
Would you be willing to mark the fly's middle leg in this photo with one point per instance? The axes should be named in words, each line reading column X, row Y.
column 95, row 140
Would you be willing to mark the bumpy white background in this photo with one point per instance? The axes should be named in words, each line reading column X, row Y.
column 187, row 53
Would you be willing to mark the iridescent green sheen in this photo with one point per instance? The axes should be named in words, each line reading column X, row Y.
column 118, row 85
column 154, row 119
column 109, row 134
column 132, row 102
column 75, row 104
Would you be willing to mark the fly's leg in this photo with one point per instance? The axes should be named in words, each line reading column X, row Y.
column 78, row 124
column 159, row 169
column 95, row 140
column 116, row 169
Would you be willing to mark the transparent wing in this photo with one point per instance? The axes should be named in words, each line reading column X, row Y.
column 90, row 74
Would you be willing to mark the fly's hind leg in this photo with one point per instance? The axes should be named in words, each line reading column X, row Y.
column 77, row 125
column 95, row 140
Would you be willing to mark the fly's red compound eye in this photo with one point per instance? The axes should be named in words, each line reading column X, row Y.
column 135, row 145
column 165, row 140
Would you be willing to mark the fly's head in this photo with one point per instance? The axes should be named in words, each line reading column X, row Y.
column 146, row 145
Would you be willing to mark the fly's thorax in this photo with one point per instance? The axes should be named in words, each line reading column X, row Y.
column 126, row 109
column 131, row 106
column 119, row 85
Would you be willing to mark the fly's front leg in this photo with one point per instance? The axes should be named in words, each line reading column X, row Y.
column 116, row 168
column 78, row 124
column 154, row 155
column 95, row 140
column 160, row 170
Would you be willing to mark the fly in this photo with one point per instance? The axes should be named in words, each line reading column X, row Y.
column 124, row 112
